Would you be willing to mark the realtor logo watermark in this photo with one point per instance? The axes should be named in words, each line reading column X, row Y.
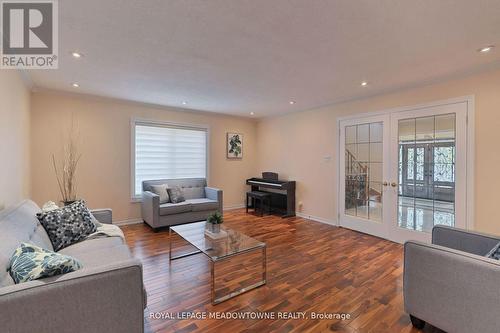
column 29, row 33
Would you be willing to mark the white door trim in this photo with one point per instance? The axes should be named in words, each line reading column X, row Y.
column 471, row 162
column 470, row 172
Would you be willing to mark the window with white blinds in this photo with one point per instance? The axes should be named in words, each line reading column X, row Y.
column 167, row 152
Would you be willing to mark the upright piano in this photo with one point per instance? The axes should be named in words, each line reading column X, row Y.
column 282, row 192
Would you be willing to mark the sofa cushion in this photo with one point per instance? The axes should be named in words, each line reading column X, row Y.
column 19, row 224
column 193, row 192
column 176, row 194
column 175, row 208
column 30, row 262
column 90, row 245
column 203, row 204
column 192, row 187
column 68, row 225
column 40, row 238
column 101, row 257
column 162, row 191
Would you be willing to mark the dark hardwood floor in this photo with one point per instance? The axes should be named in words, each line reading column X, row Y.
column 311, row 267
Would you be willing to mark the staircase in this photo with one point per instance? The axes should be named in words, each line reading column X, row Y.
column 357, row 179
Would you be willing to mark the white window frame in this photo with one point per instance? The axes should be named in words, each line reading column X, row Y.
column 148, row 122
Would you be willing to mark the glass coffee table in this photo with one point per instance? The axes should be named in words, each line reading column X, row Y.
column 231, row 244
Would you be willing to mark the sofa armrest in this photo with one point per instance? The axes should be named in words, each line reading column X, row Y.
column 100, row 299
column 104, row 215
column 463, row 240
column 452, row 290
column 213, row 193
column 150, row 208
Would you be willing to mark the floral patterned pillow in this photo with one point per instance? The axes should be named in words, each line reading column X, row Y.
column 30, row 262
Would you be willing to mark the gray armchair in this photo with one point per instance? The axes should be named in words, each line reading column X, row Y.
column 104, row 215
column 201, row 201
column 450, row 284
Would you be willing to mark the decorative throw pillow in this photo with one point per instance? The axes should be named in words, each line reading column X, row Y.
column 176, row 194
column 49, row 205
column 30, row 262
column 68, row 225
column 494, row 253
column 161, row 190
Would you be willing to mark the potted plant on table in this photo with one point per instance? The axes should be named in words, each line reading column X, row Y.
column 213, row 230
column 214, row 221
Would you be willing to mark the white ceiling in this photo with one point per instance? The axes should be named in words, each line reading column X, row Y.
column 242, row 56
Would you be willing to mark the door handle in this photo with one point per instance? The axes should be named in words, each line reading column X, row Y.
column 393, row 184
column 385, row 183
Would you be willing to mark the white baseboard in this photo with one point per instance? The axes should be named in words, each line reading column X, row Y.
column 128, row 222
column 231, row 207
column 317, row 219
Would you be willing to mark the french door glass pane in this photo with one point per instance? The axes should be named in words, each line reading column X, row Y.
column 363, row 171
column 426, row 191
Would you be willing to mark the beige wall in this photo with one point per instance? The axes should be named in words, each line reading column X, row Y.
column 104, row 126
column 295, row 145
column 14, row 138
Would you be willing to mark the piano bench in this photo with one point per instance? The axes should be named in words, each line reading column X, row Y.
column 262, row 197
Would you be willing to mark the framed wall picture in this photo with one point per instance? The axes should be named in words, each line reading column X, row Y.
column 234, row 145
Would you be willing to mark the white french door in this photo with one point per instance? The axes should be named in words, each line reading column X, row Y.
column 403, row 172
column 364, row 169
column 429, row 166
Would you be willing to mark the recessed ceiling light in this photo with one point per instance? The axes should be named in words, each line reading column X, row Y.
column 75, row 85
column 486, row 49
column 184, row 102
column 292, row 102
column 76, row 54
column 364, row 84
column 252, row 113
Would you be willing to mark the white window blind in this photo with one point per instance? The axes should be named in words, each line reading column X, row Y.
column 163, row 151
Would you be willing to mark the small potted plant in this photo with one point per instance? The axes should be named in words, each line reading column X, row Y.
column 214, row 221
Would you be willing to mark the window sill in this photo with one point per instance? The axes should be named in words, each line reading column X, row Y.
column 136, row 199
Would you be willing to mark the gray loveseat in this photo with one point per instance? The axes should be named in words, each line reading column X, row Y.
column 450, row 284
column 106, row 295
column 201, row 201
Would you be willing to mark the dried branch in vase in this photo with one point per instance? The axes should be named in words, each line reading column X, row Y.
column 65, row 170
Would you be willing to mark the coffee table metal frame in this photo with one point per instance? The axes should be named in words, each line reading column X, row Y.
column 223, row 298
